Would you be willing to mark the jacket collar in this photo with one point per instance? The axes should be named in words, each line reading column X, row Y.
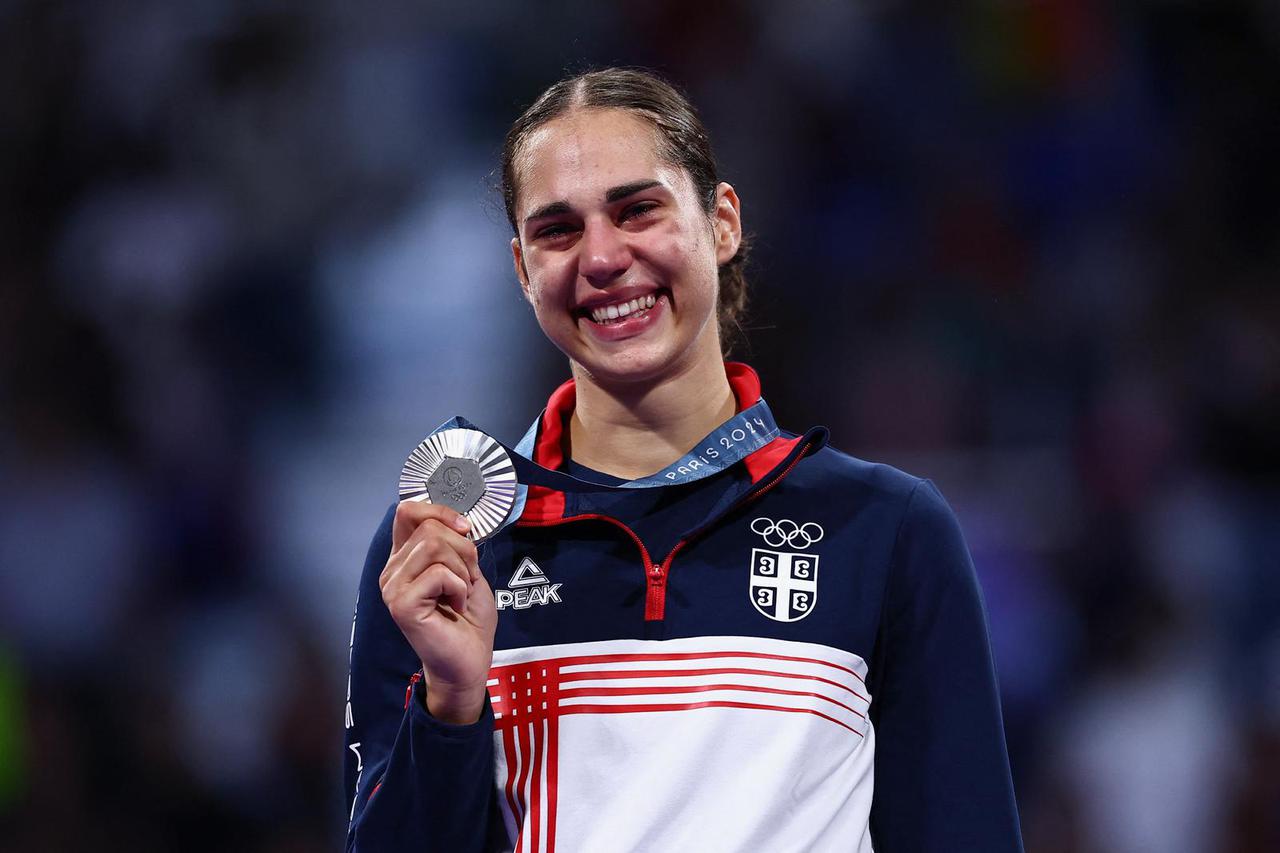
column 543, row 505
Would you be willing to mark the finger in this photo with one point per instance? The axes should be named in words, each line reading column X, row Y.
column 463, row 546
column 411, row 513
column 480, row 586
column 428, row 546
column 422, row 555
column 432, row 542
column 432, row 528
column 439, row 584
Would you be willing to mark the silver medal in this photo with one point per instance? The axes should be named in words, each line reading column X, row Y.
column 466, row 470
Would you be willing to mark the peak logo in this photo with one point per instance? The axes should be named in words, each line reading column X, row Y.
column 528, row 586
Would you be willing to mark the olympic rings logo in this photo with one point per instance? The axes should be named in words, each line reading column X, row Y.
column 787, row 532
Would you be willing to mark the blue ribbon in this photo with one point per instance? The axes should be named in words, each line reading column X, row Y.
column 741, row 435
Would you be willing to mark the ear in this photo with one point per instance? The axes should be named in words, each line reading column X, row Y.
column 517, row 258
column 727, row 219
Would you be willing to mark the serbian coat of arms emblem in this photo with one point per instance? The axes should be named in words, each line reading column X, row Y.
column 784, row 584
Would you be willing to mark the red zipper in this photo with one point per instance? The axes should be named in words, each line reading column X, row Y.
column 655, row 577
column 408, row 691
column 655, row 598
column 655, row 603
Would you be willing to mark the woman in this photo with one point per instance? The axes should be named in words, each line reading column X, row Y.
column 761, row 644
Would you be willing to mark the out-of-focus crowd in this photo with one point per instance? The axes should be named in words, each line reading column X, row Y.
column 250, row 254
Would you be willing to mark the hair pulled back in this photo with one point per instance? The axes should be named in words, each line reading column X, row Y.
column 682, row 141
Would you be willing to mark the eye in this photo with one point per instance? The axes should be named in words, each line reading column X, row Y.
column 638, row 210
column 553, row 232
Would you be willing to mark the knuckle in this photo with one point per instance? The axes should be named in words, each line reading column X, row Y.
column 428, row 530
column 417, row 511
column 384, row 579
column 444, row 573
column 406, row 509
column 435, row 550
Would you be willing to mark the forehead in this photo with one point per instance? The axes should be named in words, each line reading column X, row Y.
column 578, row 156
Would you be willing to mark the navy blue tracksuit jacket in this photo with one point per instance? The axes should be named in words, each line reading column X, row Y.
column 788, row 655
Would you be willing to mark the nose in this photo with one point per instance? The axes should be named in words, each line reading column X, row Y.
column 603, row 253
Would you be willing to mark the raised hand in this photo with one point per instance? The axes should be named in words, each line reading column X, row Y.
column 437, row 595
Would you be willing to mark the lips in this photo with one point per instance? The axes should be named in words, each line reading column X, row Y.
column 619, row 303
column 616, row 311
column 619, row 319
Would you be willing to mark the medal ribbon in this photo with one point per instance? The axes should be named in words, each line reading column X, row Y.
column 735, row 439
column 738, row 437
column 741, row 435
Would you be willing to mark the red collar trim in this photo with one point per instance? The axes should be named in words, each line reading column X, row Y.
column 544, row 504
column 548, row 450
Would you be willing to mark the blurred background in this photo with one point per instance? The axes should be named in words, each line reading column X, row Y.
column 250, row 255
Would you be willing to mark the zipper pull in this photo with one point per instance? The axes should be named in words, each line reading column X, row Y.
column 408, row 693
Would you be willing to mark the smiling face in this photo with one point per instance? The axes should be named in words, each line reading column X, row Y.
column 615, row 251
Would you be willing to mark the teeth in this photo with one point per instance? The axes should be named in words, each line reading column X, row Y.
column 609, row 313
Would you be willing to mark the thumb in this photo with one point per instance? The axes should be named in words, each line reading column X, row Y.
column 480, row 583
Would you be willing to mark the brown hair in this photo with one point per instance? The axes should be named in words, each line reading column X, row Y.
column 682, row 142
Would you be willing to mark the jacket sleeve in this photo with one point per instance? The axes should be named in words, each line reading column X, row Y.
column 411, row 781
column 942, row 780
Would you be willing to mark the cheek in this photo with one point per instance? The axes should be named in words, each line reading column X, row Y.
column 546, row 282
column 538, row 299
column 548, row 310
column 693, row 248
column 544, row 320
column 683, row 244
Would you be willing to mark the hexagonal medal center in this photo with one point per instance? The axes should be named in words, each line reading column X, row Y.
column 457, row 483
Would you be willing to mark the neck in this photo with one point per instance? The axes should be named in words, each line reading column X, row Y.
column 631, row 432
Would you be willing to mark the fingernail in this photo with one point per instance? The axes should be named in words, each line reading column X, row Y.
column 462, row 524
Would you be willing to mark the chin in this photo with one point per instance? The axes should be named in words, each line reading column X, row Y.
column 649, row 363
column 664, row 350
column 624, row 370
column 632, row 365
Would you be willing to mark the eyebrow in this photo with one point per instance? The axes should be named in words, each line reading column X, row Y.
column 613, row 194
column 619, row 193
